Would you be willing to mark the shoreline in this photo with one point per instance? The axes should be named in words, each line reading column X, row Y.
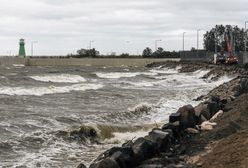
column 84, row 62
column 182, row 141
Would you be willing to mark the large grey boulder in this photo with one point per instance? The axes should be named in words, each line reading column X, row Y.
column 161, row 138
column 81, row 165
column 187, row 116
column 174, row 127
column 105, row 163
column 143, row 149
column 242, row 87
column 122, row 156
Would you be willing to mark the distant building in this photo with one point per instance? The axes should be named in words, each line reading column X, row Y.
column 22, row 52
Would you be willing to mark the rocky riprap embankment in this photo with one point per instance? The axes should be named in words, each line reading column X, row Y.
column 179, row 142
column 215, row 71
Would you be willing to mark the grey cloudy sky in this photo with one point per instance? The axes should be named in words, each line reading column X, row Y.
column 63, row 26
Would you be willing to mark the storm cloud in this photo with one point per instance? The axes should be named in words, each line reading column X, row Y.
column 63, row 26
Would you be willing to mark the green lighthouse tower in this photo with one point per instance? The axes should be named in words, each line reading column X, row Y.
column 22, row 52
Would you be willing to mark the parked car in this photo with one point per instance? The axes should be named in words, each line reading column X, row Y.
column 220, row 59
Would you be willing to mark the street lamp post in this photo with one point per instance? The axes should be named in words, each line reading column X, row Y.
column 156, row 44
column 183, row 40
column 216, row 40
column 91, row 41
column 198, row 38
column 198, row 30
column 127, row 42
column 245, row 35
column 32, row 47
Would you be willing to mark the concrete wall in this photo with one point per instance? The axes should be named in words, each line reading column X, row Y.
column 243, row 59
column 115, row 62
column 12, row 60
column 200, row 55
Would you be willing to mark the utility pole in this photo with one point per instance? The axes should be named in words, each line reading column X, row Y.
column 156, row 44
column 32, row 47
column 234, row 42
column 91, row 41
column 245, row 35
column 198, row 30
column 215, row 46
column 183, row 40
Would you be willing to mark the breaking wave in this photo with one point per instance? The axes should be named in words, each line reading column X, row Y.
column 40, row 91
column 99, row 133
column 161, row 70
column 62, row 78
column 117, row 75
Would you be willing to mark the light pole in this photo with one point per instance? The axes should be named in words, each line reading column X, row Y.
column 234, row 39
column 215, row 45
column 198, row 30
column 32, row 47
column 198, row 38
column 127, row 46
column 183, row 40
column 156, row 44
column 91, row 41
column 245, row 35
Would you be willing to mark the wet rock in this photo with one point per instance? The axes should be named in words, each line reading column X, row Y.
column 128, row 144
column 110, row 152
column 208, row 109
column 205, row 112
column 203, row 119
column 199, row 109
column 123, row 156
column 81, row 165
column 151, row 166
column 124, row 159
column 215, row 99
column 199, row 98
column 175, row 127
column 106, row 163
column 192, row 131
column 162, row 138
column 213, row 107
column 242, row 87
column 174, row 117
column 84, row 132
column 143, row 149
column 187, row 116
column 224, row 101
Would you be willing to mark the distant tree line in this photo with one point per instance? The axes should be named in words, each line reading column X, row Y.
column 159, row 53
column 86, row 53
column 147, row 53
column 216, row 38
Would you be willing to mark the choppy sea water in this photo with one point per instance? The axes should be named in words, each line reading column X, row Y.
column 119, row 103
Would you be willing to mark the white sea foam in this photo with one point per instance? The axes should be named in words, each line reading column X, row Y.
column 18, row 65
column 120, row 137
column 39, row 91
column 142, row 84
column 117, row 75
column 160, row 70
column 141, row 108
column 62, row 78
